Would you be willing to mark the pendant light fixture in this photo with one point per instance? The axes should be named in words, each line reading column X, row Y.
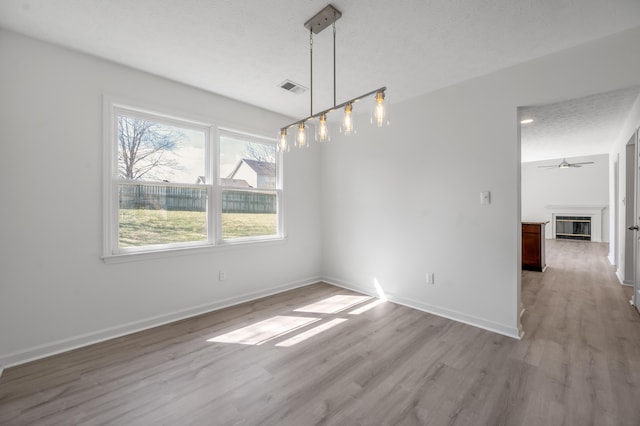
column 322, row 132
column 379, row 115
column 301, row 139
column 347, row 120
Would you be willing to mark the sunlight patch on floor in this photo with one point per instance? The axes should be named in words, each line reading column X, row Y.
column 366, row 307
column 282, row 325
column 334, row 304
column 310, row 333
column 263, row 331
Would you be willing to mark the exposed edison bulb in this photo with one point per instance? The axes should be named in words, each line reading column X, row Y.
column 379, row 116
column 347, row 121
column 301, row 140
column 283, row 145
column 322, row 129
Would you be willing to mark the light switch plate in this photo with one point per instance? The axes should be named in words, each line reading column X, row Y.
column 485, row 197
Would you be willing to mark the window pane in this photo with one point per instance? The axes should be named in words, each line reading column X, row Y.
column 249, row 214
column 160, row 214
column 164, row 179
column 245, row 164
column 154, row 151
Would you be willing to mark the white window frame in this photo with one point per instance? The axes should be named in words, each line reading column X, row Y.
column 253, row 138
column 111, row 252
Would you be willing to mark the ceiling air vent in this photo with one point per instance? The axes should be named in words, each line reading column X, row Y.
column 290, row 86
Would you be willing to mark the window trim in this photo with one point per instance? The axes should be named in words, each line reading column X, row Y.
column 111, row 253
column 252, row 138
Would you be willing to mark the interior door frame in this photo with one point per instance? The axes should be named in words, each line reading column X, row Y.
column 635, row 298
column 630, row 243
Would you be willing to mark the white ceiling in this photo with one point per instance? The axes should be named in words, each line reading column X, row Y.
column 576, row 127
column 244, row 49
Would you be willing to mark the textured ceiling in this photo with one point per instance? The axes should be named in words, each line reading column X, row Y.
column 577, row 127
column 245, row 49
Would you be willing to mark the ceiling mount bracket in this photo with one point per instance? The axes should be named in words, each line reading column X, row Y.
column 323, row 19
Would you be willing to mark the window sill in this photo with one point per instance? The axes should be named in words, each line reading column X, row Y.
column 185, row 251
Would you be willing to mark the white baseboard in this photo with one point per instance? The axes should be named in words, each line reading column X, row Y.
column 611, row 260
column 436, row 310
column 64, row 345
column 622, row 280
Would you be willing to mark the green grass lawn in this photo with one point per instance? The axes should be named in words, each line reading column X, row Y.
column 140, row 227
column 237, row 225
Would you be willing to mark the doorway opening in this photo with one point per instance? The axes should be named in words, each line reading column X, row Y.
column 571, row 184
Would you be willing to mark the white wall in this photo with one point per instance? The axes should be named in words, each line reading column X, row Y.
column 584, row 186
column 406, row 201
column 391, row 205
column 55, row 291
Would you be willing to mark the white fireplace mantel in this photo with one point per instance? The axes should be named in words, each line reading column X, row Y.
column 595, row 212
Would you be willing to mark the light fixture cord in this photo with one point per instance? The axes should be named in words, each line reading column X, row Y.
column 311, row 67
column 334, row 59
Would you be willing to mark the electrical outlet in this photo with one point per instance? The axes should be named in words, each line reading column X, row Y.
column 222, row 276
column 431, row 278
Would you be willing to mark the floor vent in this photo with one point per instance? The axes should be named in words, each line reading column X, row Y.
column 290, row 86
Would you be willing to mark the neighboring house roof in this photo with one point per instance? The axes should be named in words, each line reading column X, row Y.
column 262, row 168
column 237, row 183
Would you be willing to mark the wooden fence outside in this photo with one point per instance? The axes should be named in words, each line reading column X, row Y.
column 248, row 202
column 163, row 197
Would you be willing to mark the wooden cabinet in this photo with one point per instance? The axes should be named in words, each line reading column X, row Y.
column 533, row 246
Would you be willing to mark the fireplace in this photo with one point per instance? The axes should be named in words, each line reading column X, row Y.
column 597, row 215
column 573, row 228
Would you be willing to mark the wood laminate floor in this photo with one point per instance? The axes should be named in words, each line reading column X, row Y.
column 324, row 355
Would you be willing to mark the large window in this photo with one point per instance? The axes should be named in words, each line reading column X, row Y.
column 174, row 183
column 249, row 186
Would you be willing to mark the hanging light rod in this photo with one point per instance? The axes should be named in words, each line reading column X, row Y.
column 320, row 21
column 350, row 101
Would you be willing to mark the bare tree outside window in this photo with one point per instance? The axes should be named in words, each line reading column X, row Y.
column 143, row 148
column 260, row 152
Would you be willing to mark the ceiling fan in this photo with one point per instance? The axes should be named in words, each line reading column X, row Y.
column 564, row 164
